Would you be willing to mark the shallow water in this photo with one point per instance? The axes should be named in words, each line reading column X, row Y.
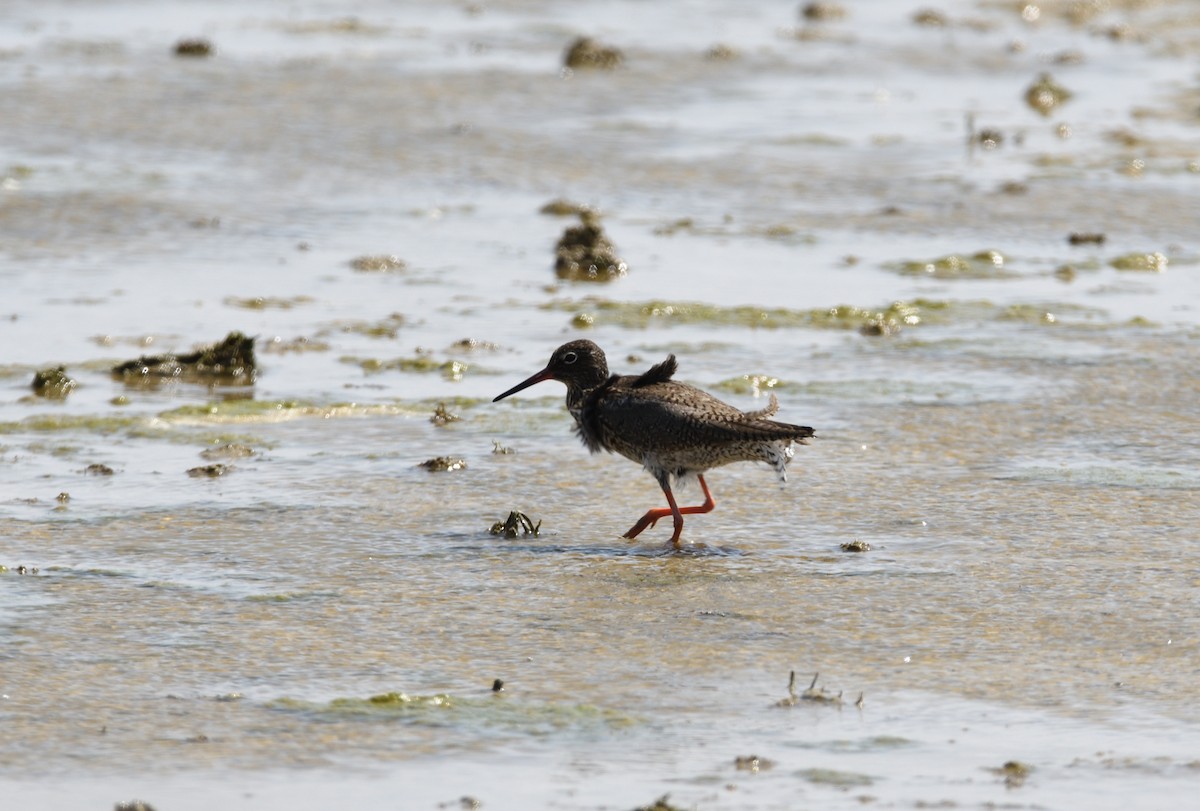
column 1021, row 455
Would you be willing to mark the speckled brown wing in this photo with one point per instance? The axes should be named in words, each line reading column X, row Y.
column 673, row 418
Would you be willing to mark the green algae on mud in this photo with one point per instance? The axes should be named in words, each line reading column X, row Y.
column 244, row 410
column 379, row 263
column 988, row 264
column 267, row 302
column 584, row 253
column 1045, row 95
column 749, row 384
column 1153, row 262
column 386, row 327
column 878, row 321
column 89, row 423
column 443, row 464
column 53, row 383
column 450, row 369
column 230, row 362
column 496, row 709
column 843, row 317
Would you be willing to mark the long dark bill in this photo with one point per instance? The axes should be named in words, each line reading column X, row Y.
column 524, row 384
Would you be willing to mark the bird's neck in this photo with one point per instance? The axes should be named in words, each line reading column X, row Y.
column 580, row 395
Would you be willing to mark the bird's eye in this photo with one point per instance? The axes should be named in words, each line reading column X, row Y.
column 570, row 357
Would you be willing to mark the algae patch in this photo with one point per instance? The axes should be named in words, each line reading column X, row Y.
column 227, row 362
column 421, row 363
column 585, row 53
column 443, row 464
column 496, row 709
column 835, row 777
column 1045, row 95
column 979, row 265
column 585, row 254
column 53, row 383
column 213, row 471
column 749, row 384
column 1153, row 262
column 378, row 263
column 872, row 321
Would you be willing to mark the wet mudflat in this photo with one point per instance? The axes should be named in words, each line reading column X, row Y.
column 282, row 589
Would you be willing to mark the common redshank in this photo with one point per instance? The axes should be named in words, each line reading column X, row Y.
column 675, row 431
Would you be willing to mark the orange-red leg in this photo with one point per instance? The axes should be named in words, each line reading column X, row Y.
column 677, row 512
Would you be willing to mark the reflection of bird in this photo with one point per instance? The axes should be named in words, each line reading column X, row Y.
column 671, row 428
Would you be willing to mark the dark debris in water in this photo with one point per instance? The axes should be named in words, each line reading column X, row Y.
column 813, row 693
column 1045, row 95
column 856, row 546
column 53, row 383
column 194, row 48
column 230, row 450
column 230, row 361
column 212, row 471
column 868, row 321
column 1153, row 262
column 423, row 362
column 443, row 416
column 517, row 523
column 986, row 264
column 752, row 763
column 822, row 11
column 22, row 570
column 561, row 207
column 133, row 805
column 97, row 469
column 585, row 254
column 1014, row 773
column 661, row 804
column 586, row 53
column 443, row 463
column 379, row 263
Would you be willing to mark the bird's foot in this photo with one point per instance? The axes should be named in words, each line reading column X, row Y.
column 648, row 520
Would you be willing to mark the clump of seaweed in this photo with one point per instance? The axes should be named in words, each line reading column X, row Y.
column 212, row 471
column 230, row 450
column 822, row 12
column 450, row 369
column 661, row 804
column 818, row 695
column 378, row 263
column 1014, row 773
column 229, row 362
column 1045, row 95
column 588, row 54
column 443, row 463
column 752, row 763
column 53, row 383
column 443, row 416
column 517, row 523
column 195, row 48
column 882, row 321
column 585, row 254
column 1153, row 262
column 988, row 264
column 561, row 207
